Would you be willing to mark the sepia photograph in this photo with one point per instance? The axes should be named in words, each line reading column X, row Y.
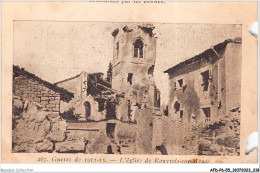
column 126, row 88
column 126, row 85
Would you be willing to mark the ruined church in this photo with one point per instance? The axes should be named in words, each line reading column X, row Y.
column 127, row 96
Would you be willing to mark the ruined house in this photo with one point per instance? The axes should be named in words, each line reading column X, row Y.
column 90, row 102
column 203, row 90
column 29, row 87
column 206, row 86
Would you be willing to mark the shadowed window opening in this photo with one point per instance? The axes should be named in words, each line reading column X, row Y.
column 101, row 105
column 138, row 48
column 129, row 78
column 87, row 110
column 129, row 111
column 219, row 105
column 174, row 85
column 157, row 98
column 206, row 112
column 180, row 81
column 181, row 113
column 177, row 106
column 151, row 70
column 117, row 49
column 205, row 79
column 110, row 130
column 166, row 111
column 110, row 110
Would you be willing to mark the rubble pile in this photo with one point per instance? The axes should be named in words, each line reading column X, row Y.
column 219, row 137
column 34, row 129
column 37, row 130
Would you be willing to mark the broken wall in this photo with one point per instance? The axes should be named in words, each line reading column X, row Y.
column 218, row 137
column 192, row 96
column 165, row 135
column 45, row 129
column 94, row 138
column 144, row 131
column 137, row 97
column 197, row 134
column 78, row 86
column 124, row 62
column 32, row 90
column 50, row 133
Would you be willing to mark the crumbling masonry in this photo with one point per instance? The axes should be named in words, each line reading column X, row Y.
column 205, row 93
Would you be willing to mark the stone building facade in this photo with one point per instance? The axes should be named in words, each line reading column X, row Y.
column 133, row 65
column 90, row 96
column 138, row 98
column 208, row 85
column 204, row 90
column 29, row 87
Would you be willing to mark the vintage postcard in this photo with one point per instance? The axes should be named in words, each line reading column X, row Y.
column 166, row 84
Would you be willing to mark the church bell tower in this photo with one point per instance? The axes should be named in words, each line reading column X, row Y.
column 134, row 52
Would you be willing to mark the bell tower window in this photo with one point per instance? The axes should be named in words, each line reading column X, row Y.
column 138, row 48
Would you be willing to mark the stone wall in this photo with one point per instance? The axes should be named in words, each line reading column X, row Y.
column 51, row 133
column 164, row 134
column 154, row 134
column 221, row 137
column 123, row 57
column 95, row 138
column 192, row 96
column 73, row 85
column 194, row 133
column 218, row 137
column 45, row 128
column 78, row 86
column 31, row 90
column 144, row 131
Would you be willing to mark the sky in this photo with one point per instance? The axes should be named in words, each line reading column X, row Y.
column 55, row 50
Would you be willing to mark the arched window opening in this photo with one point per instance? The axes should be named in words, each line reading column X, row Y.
column 138, row 48
column 87, row 110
